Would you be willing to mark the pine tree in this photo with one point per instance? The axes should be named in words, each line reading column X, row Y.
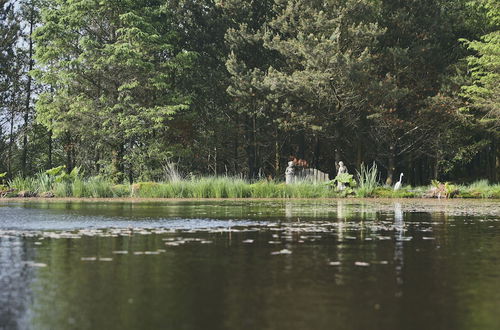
column 113, row 68
column 321, row 65
column 9, row 34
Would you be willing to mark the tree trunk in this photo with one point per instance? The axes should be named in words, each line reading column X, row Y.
column 497, row 161
column 117, row 164
column 276, row 154
column 391, row 165
column 493, row 161
column 251, row 148
column 49, row 163
column 68, row 149
column 24, row 155
column 359, row 154
column 317, row 151
column 11, row 143
column 436, row 165
column 215, row 161
column 336, row 137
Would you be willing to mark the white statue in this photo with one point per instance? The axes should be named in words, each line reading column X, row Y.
column 290, row 173
column 342, row 169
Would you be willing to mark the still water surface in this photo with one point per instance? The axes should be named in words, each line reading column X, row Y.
column 332, row 264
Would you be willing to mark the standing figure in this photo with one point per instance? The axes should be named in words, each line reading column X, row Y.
column 342, row 169
column 289, row 173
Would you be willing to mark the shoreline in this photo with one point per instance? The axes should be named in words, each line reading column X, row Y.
column 250, row 199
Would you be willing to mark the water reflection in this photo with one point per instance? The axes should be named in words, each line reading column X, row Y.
column 348, row 263
column 398, row 247
column 288, row 210
column 15, row 278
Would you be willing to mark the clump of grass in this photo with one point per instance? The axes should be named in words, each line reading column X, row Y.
column 97, row 187
column 62, row 189
column 389, row 192
column 120, row 190
column 24, row 184
column 479, row 189
column 368, row 180
column 78, row 188
column 44, row 182
column 171, row 171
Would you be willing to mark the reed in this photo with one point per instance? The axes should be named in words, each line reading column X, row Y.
column 228, row 187
column 368, row 180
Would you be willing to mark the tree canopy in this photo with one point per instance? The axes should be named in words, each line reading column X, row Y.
column 233, row 87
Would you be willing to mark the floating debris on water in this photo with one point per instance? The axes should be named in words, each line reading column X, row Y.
column 88, row 258
column 284, row 251
column 105, row 259
column 35, row 264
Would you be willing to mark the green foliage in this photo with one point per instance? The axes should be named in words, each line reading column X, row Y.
column 344, row 178
column 485, row 72
column 404, row 192
column 446, row 190
column 368, row 180
column 479, row 189
column 2, row 176
column 236, row 87
column 116, row 85
column 96, row 187
column 227, row 187
column 24, row 184
column 484, row 67
column 44, row 182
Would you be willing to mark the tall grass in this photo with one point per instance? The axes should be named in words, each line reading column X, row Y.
column 24, row 184
column 227, row 187
column 368, row 179
column 479, row 189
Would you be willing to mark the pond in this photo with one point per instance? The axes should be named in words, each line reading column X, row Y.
column 252, row 264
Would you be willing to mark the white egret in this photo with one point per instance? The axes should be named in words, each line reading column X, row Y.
column 398, row 184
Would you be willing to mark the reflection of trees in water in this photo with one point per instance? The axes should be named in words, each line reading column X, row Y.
column 15, row 279
column 398, row 248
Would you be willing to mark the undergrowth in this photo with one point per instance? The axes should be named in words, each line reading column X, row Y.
column 73, row 184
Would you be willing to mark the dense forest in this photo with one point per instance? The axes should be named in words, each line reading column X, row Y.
column 123, row 89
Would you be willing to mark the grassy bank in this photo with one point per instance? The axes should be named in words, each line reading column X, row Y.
column 44, row 185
